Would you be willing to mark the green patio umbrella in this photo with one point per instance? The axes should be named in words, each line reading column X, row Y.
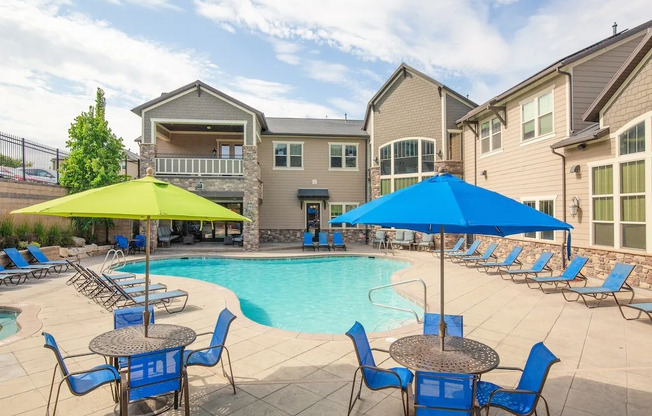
column 141, row 199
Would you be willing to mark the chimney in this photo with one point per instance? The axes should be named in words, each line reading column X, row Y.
column 345, row 118
column 615, row 27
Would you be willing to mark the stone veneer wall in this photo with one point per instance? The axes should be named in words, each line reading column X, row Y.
column 349, row 235
column 252, row 198
column 599, row 265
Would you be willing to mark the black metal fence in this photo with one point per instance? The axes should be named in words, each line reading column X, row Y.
column 25, row 160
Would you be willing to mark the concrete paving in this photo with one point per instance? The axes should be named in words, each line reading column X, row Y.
column 605, row 368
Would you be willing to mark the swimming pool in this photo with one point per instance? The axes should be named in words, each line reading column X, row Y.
column 318, row 295
column 8, row 325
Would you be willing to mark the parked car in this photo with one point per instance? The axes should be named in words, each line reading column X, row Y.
column 38, row 175
column 9, row 173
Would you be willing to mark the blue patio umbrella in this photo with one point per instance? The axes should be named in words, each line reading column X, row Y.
column 447, row 204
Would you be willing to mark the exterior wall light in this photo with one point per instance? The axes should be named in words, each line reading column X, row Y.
column 574, row 206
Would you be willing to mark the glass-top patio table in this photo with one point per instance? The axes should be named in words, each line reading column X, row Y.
column 461, row 355
column 128, row 341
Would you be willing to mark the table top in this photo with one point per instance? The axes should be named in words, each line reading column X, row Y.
column 131, row 340
column 460, row 355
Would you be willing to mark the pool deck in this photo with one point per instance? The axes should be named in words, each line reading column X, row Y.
column 605, row 368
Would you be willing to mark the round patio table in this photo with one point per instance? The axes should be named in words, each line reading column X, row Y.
column 460, row 355
column 128, row 341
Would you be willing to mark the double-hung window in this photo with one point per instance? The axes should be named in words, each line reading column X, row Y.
column 343, row 156
column 288, row 155
column 547, row 206
column 632, row 204
column 338, row 209
column 491, row 135
column 603, row 205
column 537, row 117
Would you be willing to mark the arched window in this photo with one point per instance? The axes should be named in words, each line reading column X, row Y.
column 405, row 162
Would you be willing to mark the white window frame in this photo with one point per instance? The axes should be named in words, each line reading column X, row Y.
column 420, row 175
column 343, row 205
column 612, row 195
column 535, row 99
column 343, row 146
column 490, row 137
column 288, row 143
column 616, row 162
column 537, row 201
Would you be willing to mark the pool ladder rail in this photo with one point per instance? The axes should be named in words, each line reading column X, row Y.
column 118, row 259
column 416, row 315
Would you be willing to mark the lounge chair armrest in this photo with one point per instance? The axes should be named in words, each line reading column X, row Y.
column 95, row 370
column 205, row 333
column 380, row 350
column 78, row 355
column 205, row 349
column 509, row 368
column 382, row 370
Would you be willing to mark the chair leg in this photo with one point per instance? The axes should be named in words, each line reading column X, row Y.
column 351, row 399
column 230, row 378
column 54, row 374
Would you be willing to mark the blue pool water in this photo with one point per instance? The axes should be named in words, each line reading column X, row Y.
column 8, row 325
column 318, row 295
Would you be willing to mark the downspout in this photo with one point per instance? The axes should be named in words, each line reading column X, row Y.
column 563, row 201
column 570, row 99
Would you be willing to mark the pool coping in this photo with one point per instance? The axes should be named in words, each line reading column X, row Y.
column 232, row 299
column 27, row 321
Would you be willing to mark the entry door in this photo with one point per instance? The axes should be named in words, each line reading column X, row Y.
column 312, row 217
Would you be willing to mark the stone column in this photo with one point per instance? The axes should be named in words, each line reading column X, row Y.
column 251, row 199
column 147, row 160
column 374, row 182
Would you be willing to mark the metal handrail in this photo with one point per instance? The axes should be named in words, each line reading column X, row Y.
column 425, row 297
column 115, row 259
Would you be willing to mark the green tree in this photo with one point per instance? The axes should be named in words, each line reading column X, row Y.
column 95, row 157
column 10, row 162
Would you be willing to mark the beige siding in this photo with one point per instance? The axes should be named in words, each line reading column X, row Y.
column 590, row 77
column 523, row 169
column 634, row 100
column 456, row 147
column 193, row 144
column 411, row 107
column 281, row 208
column 455, row 109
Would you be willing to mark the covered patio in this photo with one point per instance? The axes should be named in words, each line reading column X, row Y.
column 604, row 370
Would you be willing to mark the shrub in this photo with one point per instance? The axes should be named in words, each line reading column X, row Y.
column 8, row 241
column 6, row 227
column 53, row 236
column 39, row 232
column 22, row 245
column 66, row 237
column 22, row 232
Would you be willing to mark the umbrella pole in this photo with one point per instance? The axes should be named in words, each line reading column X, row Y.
column 442, row 323
column 147, row 248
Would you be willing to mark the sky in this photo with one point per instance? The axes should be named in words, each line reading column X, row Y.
column 286, row 58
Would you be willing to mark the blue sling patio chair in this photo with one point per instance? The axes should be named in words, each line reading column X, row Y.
column 469, row 252
column 139, row 243
column 540, row 265
column 19, row 262
column 641, row 308
column 211, row 355
column 79, row 382
column 524, row 398
column 488, row 254
column 444, row 394
column 376, row 378
column 323, row 241
column 572, row 273
column 457, row 247
column 510, row 261
column 132, row 316
column 454, row 324
column 614, row 283
column 307, row 241
column 338, row 242
column 41, row 258
column 154, row 374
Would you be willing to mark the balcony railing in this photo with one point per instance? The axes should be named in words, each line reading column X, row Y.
column 185, row 166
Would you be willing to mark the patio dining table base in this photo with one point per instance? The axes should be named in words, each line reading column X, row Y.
column 148, row 407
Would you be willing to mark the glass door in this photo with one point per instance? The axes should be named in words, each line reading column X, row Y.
column 313, row 211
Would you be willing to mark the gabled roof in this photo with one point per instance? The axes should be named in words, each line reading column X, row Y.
column 574, row 57
column 593, row 112
column 587, row 134
column 401, row 70
column 277, row 126
column 199, row 84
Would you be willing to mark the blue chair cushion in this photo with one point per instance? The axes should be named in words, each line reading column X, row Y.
column 83, row 383
column 517, row 403
column 382, row 379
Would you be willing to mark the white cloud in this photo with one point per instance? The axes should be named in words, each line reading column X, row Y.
column 150, row 4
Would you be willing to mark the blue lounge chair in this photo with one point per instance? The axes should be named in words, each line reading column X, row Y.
column 21, row 263
column 41, row 258
column 441, row 394
column 457, row 247
column 538, row 267
column 454, row 324
column 323, row 241
column 154, row 374
column 210, row 356
column 159, row 298
column 338, row 242
column 307, row 241
column 614, row 283
column 571, row 274
column 641, row 308
column 79, row 382
column 524, row 398
column 509, row 261
column 488, row 254
column 469, row 252
column 376, row 378
column 15, row 273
